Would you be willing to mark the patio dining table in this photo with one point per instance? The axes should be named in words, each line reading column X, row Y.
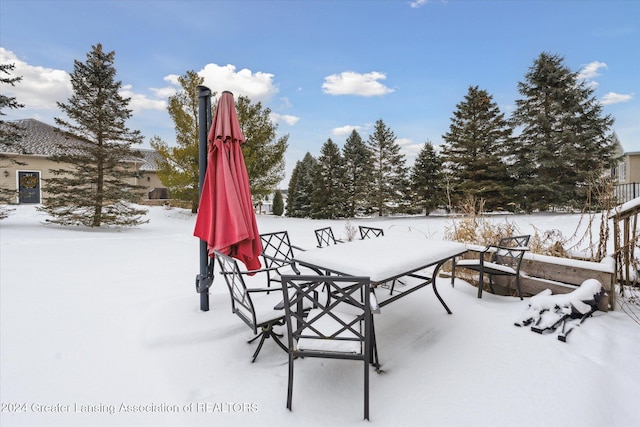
column 398, row 256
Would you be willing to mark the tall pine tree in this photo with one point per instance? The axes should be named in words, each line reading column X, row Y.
column 327, row 201
column 475, row 150
column 358, row 169
column 426, row 179
column 278, row 203
column 95, row 182
column 10, row 137
column 178, row 169
column 301, row 187
column 564, row 139
column 389, row 171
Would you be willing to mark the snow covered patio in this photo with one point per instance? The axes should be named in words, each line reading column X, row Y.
column 103, row 328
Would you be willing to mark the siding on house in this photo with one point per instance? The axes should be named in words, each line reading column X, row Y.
column 632, row 163
column 41, row 140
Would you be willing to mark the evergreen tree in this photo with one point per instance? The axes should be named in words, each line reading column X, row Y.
column 301, row 187
column 327, row 200
column 426, row 179
column 278, row 203
column 564, row 137
column 292, row 190
column 179, row 168
column 475, row 150
column 10, row 137
column 94, row 183
column 263, row 153
column 389, row 171
column 358, row 169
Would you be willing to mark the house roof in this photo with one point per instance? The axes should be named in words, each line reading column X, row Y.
column 41, row 139
column 151, row 159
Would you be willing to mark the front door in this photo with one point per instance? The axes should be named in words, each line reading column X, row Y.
column 29, row 187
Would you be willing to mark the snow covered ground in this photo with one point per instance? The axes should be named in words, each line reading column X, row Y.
column 103, row 328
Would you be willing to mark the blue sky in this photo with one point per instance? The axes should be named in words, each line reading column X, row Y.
column 326, row 67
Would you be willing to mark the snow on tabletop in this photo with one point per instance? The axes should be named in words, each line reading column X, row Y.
column 382, row 257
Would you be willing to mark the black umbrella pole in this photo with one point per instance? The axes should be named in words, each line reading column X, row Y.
column 205, row 278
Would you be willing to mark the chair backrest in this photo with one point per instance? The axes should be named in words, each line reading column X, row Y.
column 510, row 251
column 276, row 249
column 241, row 303
column 338, row 325
column 325, row 237
column 369, row 232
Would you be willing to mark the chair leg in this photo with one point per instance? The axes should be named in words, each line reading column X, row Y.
column 491, row 284
column 366, row 390
column 518, row 285
column 373, row 356
column 480, row 283
column 267, row 332
column 453, row 271
column 256, row 337
column 277, row 340
column 290, row 386
column 264, row 337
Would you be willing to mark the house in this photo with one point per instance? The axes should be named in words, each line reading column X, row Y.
column 40, row 141
column 626, row 173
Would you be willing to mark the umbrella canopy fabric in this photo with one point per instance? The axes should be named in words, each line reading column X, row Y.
column 226, row 219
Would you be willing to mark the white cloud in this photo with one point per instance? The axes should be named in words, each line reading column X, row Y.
column 288, row 119
column 258, row 86
column 344, row 130
column 352, row 83
column 286, row 103
column 173, row 79
column 141, row 102
column 615, row 98
column 164, row 92
column 591, row 70
column 418, row 3
column 40, row 87
column 409, row 149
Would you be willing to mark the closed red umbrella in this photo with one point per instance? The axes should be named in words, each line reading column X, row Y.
column 226, row 219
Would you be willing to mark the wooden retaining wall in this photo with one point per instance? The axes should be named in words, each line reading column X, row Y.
column 561, row 275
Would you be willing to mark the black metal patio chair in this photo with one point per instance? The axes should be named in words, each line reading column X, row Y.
column 325, row 237
column 278, row 254
column 506, row 259
column 369, row 232
column 339, row 327
column 255, row 306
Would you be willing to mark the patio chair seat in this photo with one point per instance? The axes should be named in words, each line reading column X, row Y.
column 488, row 266
column 265, row 307
column 328, row 326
